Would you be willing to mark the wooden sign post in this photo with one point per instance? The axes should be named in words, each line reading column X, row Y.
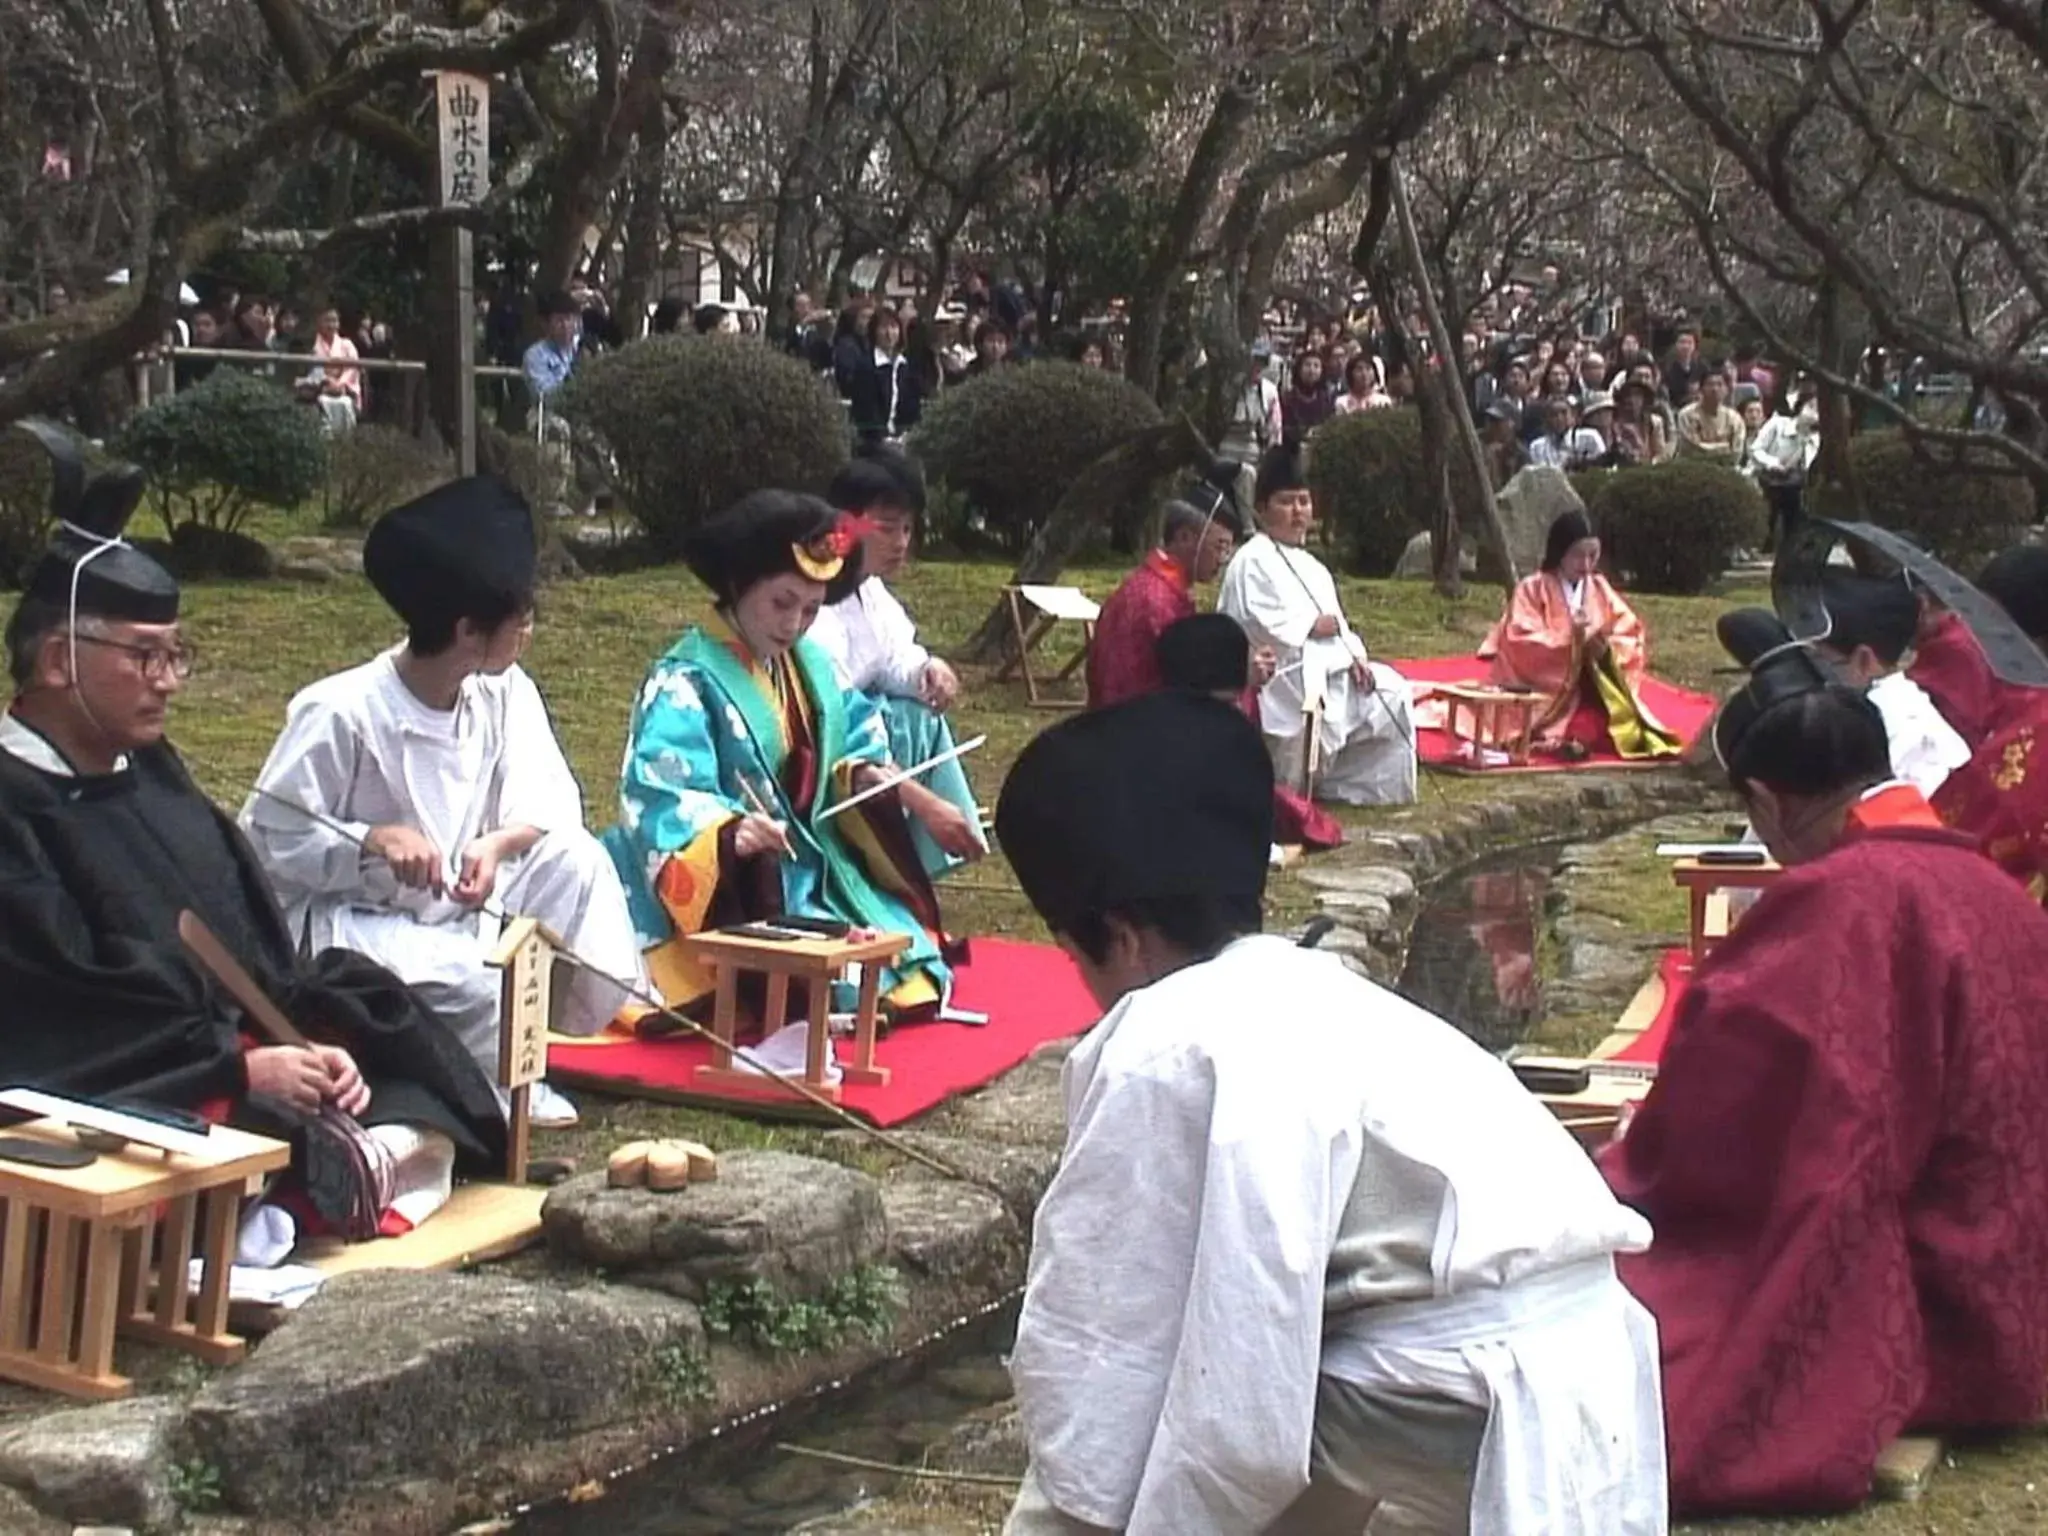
column 526, row 955
column 463, row 117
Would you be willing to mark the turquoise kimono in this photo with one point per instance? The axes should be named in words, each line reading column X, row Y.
column 709, row 718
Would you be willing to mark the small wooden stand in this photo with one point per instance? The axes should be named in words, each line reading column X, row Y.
column 75, row 1255
column 815, row 962
column 1487, row 717
column 526, row 954
column 1702, row 883
column 1047, row 607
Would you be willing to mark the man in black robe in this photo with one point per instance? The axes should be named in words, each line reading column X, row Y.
column 105, row 840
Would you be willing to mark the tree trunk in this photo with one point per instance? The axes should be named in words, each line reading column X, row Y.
column 1460, row 405
column 1153, row 297
column 643, row 232
column 1097, row 495
column 1445, row 541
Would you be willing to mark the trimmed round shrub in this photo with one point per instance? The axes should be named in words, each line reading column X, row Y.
column 375, row 468
column 1962, row 506
column 693, row 423
column 1013, row 439
column 1366, row 471
column 1673, row 527
column 217, row 452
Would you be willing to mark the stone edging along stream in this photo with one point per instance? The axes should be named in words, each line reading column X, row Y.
column 405, row 1404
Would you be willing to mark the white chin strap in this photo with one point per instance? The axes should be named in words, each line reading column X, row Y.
column 101, row 544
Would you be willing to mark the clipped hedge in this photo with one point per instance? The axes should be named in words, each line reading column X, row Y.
column 375, row 468
column 1673, row 527
column 1012, row 440
column 1963, row 506
column 1366, row 471
column 218, row 451
column 693, row 423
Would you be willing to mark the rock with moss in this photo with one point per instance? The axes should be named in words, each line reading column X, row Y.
column 107, row 1465
column 391, row 1377
column 794, row 1223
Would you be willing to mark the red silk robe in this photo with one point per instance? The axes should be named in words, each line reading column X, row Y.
column 1845, row 1161
column 1534, row 644
column 1123, row 663
column 1949, row 663
column 1999, row 798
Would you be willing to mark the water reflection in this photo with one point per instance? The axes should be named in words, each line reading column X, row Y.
column 748, row 1488
column 1472, row 952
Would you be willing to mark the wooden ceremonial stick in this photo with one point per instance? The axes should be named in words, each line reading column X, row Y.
column 239, row 984
column 639, row 995
column 901, row 776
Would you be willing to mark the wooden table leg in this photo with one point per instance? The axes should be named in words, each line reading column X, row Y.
column 217, row 1256
column 174, row 1262
column 863, row 1069
column 103, row 1240
column 17, row 1274
column 135, row 1245
column 777, row 1013
column 724, row 1015
column 819, row 1038
column 1698, row 898
column 59, row 1293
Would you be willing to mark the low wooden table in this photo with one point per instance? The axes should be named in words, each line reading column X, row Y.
column 1702, row 882
column 814, row 962
column 76, row 1248
column 1502, row 719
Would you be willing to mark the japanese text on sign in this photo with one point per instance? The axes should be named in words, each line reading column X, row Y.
column 464, row 103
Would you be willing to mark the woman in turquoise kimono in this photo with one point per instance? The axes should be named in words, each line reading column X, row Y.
column 742, row 737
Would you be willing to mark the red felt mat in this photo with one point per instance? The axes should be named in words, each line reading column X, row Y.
column 1676, row 970
column 1679, row 709
column 1030, row 992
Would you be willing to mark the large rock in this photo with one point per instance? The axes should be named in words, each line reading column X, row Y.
column 1016, row 1174
column 796, row 1222
column 950, row 1231
column 1025, row 1104
column 1529, row 504
column 393, row 1377
column 1416, row 562
column 107, row 1465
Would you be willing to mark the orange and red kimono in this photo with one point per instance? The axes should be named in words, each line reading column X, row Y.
column 1536, row 645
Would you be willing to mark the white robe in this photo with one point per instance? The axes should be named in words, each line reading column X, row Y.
column 1275, row 1171
column 361, row 750
column 873, row 642
column 1925, row 748
column 1368, row 732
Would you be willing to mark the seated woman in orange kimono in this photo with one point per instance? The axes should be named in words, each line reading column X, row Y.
column 1568, row 635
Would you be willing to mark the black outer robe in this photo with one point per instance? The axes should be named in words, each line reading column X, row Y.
column 99, row 998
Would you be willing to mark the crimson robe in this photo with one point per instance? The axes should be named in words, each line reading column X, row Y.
column 1845, row 1160
column 1950, row 664
column 1999, row 798
column 1123, row 663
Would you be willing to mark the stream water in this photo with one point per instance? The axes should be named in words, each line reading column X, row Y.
column 1472, row 958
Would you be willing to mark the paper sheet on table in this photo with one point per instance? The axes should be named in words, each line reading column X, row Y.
column 287, row 1285
column 1062, row 602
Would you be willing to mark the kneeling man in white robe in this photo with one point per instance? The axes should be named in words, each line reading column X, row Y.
column 1313, row 1261
column 1363, row 712
column 873, row 642
column 406, row 793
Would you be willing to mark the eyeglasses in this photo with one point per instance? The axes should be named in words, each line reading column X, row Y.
column 154, row 660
